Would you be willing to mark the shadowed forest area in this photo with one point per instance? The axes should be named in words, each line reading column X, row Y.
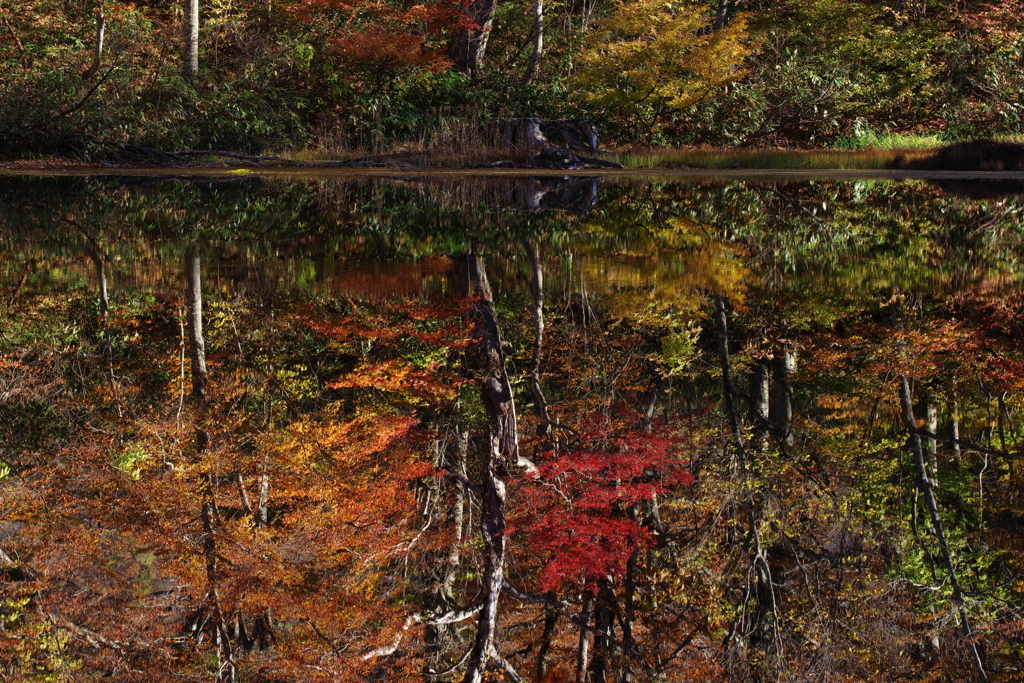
column 103, row 80
column 549, row 429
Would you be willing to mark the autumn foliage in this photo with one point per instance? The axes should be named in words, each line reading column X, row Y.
column 581, row 508
column 333, row 508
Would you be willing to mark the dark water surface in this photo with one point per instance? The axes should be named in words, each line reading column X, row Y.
column 377, row 236
column 727, row 485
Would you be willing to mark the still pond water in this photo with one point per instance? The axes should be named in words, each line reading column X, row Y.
column 716, row 479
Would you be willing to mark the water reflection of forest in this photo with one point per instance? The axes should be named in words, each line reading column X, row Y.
column 334, row 430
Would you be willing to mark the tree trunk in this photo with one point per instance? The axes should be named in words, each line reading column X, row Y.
column 487, row 361
column 583, row 653
column 604, row 617
column 540, row 404
column 540, row 142
column 190, row 63
column 577, row 134
column 492, row 528
column 108, row 347
column 101, row 24
column 550, row 620
column 727, row 388
column 924, row 485
column 628, row 616
column 931, row 425
column 1000, row 424
column 538, row 42
column 954, row 418
column 25, row 60
column 97, row 55
column 458, row 517
column 193, row 277
column 720, row 14
column 760, row 399
column 487, row 364
column 470, row 45
column 782, row 409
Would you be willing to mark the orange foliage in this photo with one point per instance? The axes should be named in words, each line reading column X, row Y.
column 380, row 49
column 379, row 41
column 379, row 281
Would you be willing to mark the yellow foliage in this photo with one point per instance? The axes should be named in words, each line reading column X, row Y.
column 650, row 56
column 672, row 286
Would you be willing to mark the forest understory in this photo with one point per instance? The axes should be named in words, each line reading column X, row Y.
column 100, row 81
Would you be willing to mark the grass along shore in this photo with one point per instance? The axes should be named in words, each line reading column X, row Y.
column 901, row 151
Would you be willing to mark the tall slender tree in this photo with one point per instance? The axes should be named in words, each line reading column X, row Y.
column 538, row 42
column 190, row 65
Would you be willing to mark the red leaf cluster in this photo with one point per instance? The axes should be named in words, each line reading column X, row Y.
column 577, row 510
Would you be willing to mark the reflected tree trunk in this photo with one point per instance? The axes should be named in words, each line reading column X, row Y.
column 1000, row 420
column 210, row 619
column 487, row 361
column 603, row 621
column 550, row 621
column 954, row 419
column 760, row 399
column 783, row 364
column 197, row 346
column 458, row 517
column 650, row 405
column 924, row 486
column 108, row 346
column 583, row 651
column 101, row 276
column 540, row 403
column 628, row 616
column 721, row 13
column 487, row 365
column 261, row 511
column 931, row 425
column 756, row 626
column 441, row 598
column 492, row 528
column 728, row 394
